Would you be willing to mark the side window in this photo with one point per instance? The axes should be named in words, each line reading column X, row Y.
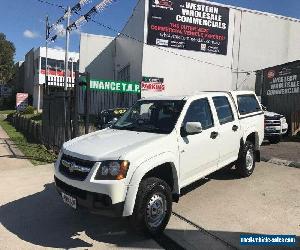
column 223, row 108
column 199, row 111
column 247, row 104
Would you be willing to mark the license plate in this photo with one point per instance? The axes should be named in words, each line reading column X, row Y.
column 71, row 201
column 270, row 129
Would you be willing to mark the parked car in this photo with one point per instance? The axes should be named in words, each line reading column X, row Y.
column 138, row 166
column 275, row 126
column 109, row 117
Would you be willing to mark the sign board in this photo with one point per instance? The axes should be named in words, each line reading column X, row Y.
column 188, row 25
column 152, row 84
column 21, row 101
column 282, row 80
column 280, row 91
column 115, row 86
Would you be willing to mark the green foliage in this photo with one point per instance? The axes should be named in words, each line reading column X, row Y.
column 28, row 111
column 7, row 52
column 36, row 153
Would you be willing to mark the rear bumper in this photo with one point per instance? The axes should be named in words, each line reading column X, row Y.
column 94, row 202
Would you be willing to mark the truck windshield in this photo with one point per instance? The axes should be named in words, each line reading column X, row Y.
column 158, row 116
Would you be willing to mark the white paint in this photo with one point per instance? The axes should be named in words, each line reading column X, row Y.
column 144, row 151
column 93, row 50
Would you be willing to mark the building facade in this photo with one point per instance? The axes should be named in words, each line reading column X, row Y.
column 35, row 69
column 181, row 47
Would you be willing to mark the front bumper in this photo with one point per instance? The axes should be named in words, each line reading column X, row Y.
column 94, row 202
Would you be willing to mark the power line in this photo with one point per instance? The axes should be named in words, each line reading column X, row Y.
column 163, row 49
column 52, row 4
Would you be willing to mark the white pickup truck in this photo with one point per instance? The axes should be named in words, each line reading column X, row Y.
column 137, row 167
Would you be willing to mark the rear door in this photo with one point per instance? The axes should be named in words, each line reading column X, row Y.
column 228, row 128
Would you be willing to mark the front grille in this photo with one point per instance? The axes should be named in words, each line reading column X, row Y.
column 75, row 174
column 274, row 118
column 273, row 123
column 70, row 189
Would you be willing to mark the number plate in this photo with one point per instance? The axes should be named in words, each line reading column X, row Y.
column 270, row 129
column 71, row 201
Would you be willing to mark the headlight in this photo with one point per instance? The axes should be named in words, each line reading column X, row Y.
column 112, row 170
column 283, row 119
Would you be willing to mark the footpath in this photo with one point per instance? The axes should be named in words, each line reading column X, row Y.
column 10, row 156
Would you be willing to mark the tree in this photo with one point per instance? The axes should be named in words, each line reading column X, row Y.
column 7, row 52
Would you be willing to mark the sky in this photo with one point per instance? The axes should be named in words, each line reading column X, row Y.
column 23, row 21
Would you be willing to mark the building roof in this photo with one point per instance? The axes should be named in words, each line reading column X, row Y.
column 251, row 11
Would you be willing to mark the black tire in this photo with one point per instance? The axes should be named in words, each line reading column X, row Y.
column 274, row 140
column 149, row 189
column 243, row 166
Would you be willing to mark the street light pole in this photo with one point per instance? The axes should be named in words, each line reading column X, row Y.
column 67, row 48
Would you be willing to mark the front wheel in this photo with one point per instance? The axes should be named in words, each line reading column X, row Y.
column 153, row 206
column 246, row 161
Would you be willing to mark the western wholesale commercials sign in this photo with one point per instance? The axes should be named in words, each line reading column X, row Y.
column 188, row 25
column 282, row 80
column 115, row 86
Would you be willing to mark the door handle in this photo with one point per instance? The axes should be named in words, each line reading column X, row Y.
column 235, row 128
column 214, row 135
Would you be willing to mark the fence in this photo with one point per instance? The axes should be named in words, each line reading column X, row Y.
column 31, row 129
column 106, row 100
column 56, row 122
column 62, row 110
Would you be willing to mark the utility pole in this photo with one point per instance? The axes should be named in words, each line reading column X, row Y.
column 46, row 63
column 67, row 47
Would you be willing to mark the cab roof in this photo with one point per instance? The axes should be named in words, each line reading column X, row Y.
column 199, row 95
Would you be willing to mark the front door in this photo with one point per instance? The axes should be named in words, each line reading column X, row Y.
column 198, row 152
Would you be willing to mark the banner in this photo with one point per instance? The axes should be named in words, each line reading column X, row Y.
column 188, row 25
column 115, row 86
column 282, row 80
column 153, row 84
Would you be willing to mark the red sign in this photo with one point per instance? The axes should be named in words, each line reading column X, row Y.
column 153, row 83
column 56, row 72
column 21, row 101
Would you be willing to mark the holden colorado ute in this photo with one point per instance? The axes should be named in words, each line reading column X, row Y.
column 137, row 167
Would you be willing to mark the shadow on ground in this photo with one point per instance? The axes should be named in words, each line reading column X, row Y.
column 42, row 219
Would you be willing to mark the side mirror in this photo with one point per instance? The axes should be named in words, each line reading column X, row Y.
column 191, row 128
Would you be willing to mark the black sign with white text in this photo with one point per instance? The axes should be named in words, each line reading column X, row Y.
column 282, row 80
column 188, row 25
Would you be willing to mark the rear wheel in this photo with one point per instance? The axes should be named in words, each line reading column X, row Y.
column 153, row 206
column 246, row 161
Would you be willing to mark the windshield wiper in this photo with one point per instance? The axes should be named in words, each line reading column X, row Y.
column 131, row 127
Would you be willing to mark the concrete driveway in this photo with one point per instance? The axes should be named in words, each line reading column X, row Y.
column 211, row 214
column 33, row 216
column 214, row 212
